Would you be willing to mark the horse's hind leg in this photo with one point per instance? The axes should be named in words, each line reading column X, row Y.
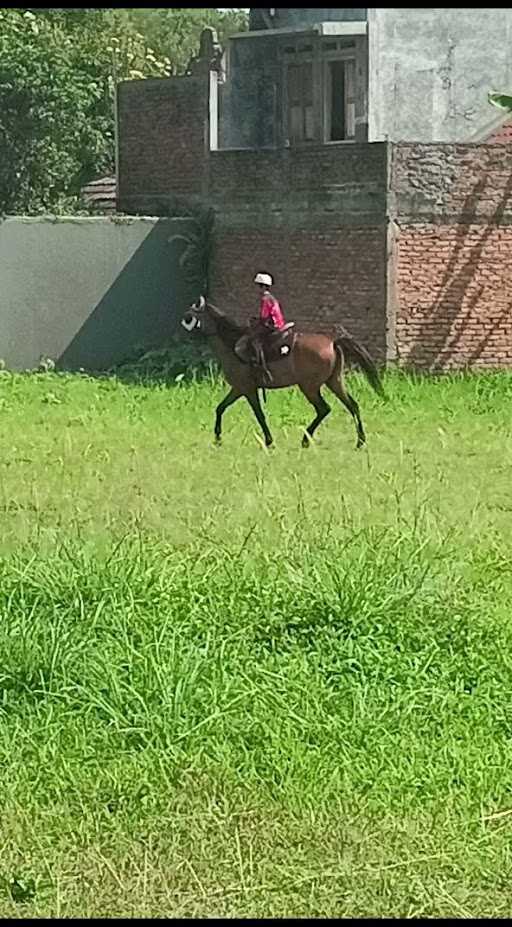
column 228, row 401
column 322, row 410
column 337, row 387
column 254, row 401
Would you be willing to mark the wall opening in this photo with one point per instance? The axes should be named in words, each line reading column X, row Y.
column 321, row 91
column 339, row 100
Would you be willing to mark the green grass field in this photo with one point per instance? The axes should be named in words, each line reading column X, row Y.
column 239, row 682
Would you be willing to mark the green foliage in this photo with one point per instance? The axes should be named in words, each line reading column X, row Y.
column 176, row 32
column 196, row 254
column 58, row 70
column 56, row 104
column 501, row 100
column 183, row 359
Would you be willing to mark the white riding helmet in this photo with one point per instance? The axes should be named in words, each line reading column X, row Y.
column 265, row 279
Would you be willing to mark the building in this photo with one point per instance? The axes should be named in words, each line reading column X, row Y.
column 302, row 76
column 100, row 195
column 352, row 153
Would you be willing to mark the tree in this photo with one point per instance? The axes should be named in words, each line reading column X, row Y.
column 56, row 104
column 175, row 33
column 58, row 70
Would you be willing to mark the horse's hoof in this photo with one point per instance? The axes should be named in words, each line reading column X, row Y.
column 305, row 442
column 361, row 443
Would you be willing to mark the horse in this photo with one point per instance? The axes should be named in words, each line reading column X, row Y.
column 307, row 360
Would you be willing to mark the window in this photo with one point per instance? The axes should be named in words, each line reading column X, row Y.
column 324, row 72
column 339, row 100
column 300, row 102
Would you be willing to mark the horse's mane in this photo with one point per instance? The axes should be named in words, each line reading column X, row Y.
column 229, row 326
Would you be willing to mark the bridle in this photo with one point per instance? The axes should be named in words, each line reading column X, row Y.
column 199, row 306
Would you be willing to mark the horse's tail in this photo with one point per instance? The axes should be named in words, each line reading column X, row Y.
column 360, row 355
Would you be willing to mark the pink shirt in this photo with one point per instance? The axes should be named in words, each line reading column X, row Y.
column 270, row 311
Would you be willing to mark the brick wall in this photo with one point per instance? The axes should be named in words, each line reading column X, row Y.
column 163, row 143
column 502, row 135
column 314, row 219
column 452, row 299
column 408, row 245
column 322, row 277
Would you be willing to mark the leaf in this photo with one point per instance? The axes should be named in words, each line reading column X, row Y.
column 501, row 100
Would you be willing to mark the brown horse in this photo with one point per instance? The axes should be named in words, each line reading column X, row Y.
column 310, row 361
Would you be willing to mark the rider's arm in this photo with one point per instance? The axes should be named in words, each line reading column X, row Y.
column 266, row 312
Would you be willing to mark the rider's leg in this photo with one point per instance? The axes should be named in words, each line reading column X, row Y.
column 261, row 361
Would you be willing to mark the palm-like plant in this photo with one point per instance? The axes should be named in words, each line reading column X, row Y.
column 196, row 255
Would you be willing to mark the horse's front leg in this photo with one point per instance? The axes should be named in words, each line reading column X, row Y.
column 228, row 401
column 254, row 401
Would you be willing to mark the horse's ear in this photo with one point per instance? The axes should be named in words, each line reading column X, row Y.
column 201, row 302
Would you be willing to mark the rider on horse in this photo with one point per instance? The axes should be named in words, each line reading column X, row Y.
column 270, row 320
column 270, row 310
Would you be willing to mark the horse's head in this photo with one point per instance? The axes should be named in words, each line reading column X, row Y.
column 198, row 319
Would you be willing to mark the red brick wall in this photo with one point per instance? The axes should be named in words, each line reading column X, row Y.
column 315, row 220
column 163, row 142
column 322, row 277
column 455, row 296
column 452, row 205
column 502, row 135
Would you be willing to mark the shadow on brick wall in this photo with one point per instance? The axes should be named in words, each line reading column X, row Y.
column 456, row 282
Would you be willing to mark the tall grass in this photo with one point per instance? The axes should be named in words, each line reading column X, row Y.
column 246, row 683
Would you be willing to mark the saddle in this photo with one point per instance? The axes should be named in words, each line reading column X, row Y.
column 277, row 345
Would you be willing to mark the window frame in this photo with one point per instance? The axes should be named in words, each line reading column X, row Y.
column 320, row 57
column 298, row 57
column 345, row 54
column 304, row 102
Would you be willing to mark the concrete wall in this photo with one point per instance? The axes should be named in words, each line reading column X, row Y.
column 87, row 292
column 431, row 71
